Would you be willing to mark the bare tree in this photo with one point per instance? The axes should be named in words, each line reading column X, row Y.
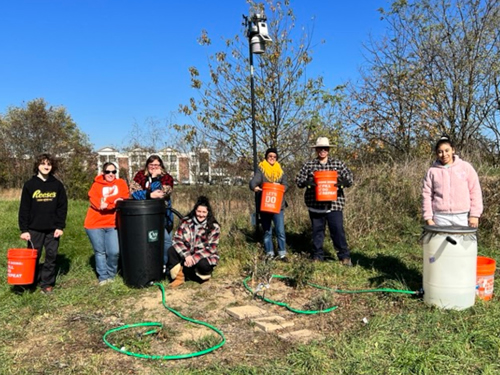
column 290, row 106
column 436, row 71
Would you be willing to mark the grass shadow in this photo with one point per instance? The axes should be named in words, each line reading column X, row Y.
column 252, row 234
column 299, row 243
column 390, row 267
column 63, row 264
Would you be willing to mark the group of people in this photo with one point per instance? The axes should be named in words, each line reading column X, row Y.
column 320, row 212
column 451, row 195
column 42, row 218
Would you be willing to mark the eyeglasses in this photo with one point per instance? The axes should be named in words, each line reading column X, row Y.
column 108, row 172
column 323, row 148
column 154, row 165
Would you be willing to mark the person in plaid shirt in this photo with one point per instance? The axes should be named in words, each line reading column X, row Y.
column 193, row 254
column 329, row 212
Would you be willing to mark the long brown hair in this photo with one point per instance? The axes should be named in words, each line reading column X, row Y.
column 203, row 201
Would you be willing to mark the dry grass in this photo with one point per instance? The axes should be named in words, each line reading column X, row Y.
column 10, row 194
column 62, row 334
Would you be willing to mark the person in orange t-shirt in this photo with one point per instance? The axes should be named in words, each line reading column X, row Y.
column 100, row 222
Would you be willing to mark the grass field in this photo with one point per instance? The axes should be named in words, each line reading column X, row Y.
column 369, row 333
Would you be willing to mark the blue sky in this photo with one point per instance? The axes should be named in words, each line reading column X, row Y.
column 113, row 63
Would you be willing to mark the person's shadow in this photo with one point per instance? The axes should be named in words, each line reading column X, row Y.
column 63, row 264
column 299, row 243
column 391, row 269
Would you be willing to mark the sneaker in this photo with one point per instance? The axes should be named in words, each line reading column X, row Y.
column 346, row 262
column 283, row 258
column 269, row 256
column 104, row 282
column 47, row 290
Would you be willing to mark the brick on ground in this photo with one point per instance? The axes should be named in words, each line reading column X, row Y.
column 245, row 312
column 272, row 323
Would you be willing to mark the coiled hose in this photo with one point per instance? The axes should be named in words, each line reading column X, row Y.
column 156, row 330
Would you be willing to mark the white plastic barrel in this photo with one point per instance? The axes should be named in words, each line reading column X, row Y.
column 449, row 271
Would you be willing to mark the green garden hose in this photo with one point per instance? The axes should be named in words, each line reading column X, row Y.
column 320, row 287
column 156, row 330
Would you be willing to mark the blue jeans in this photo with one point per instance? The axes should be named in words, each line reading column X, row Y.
column 266, row 220
column 167, row 243
column 106, row 250
column 335, row 220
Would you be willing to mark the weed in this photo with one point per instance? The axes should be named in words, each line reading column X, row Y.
column 321, row 302
column 202, row 343
column 302, row 272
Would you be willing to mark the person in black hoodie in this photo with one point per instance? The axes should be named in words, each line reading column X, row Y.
column 42, row 217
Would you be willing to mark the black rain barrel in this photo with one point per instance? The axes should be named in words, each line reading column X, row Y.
column 141, row 234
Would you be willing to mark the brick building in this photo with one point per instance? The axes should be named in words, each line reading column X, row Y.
column 185, row 168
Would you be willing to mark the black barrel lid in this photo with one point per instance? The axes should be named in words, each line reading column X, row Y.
column 453, row 229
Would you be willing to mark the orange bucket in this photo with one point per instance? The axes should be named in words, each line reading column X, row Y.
column 326, row 185
column 272, row 197
column 21, row 264
column 485, row 276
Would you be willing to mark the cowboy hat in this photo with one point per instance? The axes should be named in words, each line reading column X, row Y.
column 322, row 142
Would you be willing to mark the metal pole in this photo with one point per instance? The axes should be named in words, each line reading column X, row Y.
column 252, row 95
column 254, row 132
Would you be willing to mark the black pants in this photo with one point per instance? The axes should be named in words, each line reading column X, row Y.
column 46, row 274
column 202, row 267
column 335, row 220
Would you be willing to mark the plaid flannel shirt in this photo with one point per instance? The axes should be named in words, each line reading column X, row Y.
column 192, row 240
column 306, row 174
column 142, row 185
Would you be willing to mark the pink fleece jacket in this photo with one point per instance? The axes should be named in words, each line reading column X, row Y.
column 453, row 189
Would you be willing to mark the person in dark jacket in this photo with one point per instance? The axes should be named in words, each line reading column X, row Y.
column 42, row 217
column 269, row 170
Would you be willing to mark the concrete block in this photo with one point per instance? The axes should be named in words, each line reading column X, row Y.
column 272, row 323
column 245, row 312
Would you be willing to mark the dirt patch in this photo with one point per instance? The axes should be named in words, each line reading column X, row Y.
column 72, row 342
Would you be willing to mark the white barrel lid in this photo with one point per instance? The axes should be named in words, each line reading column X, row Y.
column 453, row 229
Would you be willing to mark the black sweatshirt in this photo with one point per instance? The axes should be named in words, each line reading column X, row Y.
column 44, row 205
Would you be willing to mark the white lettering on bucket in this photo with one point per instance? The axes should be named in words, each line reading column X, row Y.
column 270, row 199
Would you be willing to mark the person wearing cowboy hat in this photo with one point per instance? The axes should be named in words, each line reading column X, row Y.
column 323, row 212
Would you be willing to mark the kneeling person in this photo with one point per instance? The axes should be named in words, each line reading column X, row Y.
column 194, row 254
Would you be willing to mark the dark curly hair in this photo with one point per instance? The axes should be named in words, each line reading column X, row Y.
column 45, row 157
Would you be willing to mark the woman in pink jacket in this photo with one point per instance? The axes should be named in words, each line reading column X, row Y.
column 451, row 192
